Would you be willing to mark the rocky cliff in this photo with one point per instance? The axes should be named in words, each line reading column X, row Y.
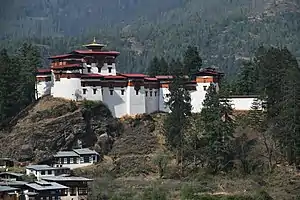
column 54, row 124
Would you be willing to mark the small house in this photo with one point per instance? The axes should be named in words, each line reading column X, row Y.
column 15, row 184
column 78, row 186
column 8, row 193
column 11, row 176
column 45, row 170
column 76, row 158
column 44, row 190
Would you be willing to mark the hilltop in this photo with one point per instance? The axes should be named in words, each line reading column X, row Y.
column 129, row 147
column 226, row 33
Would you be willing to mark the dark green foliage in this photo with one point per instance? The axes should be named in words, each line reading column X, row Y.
column 154, row 193
column 158, row 67
column 191, row 60
column 218, row 128
column 17, row 78
column 179, row 104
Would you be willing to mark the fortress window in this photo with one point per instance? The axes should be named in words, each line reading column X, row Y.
column 84, row 91
column 88, row 62
column 109, row 69
column 146, row 93
column 111, row 92
column 95, row 91
column 136, row 92
column 204, row 88
column 89, row 70
column 122, row 92
column 155, row 93
column 150, row 93
column 68, row 77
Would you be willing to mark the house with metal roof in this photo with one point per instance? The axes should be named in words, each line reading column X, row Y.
column 47, row 190
column 78, row 186
column 8, row 193
column 45, row 170
column 11, row 176
column 76, row 158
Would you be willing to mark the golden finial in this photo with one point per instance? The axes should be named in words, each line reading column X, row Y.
column 94, row 40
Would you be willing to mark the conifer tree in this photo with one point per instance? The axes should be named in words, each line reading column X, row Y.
column 180, row 107
column 154, row 67
column 218, row 128
column 191, row 60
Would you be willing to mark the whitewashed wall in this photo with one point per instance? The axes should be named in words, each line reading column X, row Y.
column 116, row 102
column 198, row 96
column 152, row 102
column 105, row 71
column 242, row 103
column 135, row 103
column 66, row 88
column 163, row 92
column 43, row 88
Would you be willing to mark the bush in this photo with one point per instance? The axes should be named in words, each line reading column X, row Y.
column 154, row 193
column 161, row 160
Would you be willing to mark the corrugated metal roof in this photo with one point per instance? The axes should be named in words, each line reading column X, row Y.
column 13, row 183
column 7, row 189
column 12, row 173
column 44, row 167
column 66, row 154
column 62, row 178
column 44, row 185
column 85, row 151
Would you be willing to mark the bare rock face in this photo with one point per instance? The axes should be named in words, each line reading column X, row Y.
column 56, row 124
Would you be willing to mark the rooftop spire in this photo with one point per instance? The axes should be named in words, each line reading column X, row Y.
column 94, row 46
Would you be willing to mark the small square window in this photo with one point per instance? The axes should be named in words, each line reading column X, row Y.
column 109, row 69
column 111, row 92
column 150, row 93
column 89, row 70
column 95, row 91
column 122, row 92
column 136, row 92
column 49, row 172
column 204, row 88
column 146, row 93
column 43, row 172
column 84, row 91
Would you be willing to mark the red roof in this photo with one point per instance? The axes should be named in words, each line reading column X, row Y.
column 67, row 66
column 150, row 79
column 209, row 71
column 111, row 53
column 60, row 56
column 134, row 75
column 92, row 76
column 114, row 77
column 43, row 70
column 163, row 77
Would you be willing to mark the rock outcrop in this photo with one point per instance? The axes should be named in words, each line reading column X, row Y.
column 57, row 124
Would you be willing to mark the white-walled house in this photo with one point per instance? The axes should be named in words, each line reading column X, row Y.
column 92, row 75
column 76, row 158
column 40, row 171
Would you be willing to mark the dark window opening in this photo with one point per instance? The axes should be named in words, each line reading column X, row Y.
column 150, row 93
column 83, row 84
column 84, row 91
column 204, row 88
column 136, row 92
column 89, row 70
column 109, row 69
column 49, row 172
column 88, row 62
column 155, row 93
column 146, row 93
column 43, row 172
column 95, row 91
column 111, row 92
column 68, row 77
column 122, row 92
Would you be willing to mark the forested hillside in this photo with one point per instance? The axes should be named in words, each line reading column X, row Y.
column 225, row 31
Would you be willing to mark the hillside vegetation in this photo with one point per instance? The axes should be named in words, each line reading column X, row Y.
column 225, row 32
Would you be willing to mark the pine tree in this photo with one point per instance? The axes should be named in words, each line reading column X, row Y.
column 163, row 67
column 218, row 128
column 154, row 67
column 191, row 60
column 180, row 107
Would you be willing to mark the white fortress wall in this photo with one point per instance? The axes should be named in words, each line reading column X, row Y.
column 135, row 99
column 115, row 101
column 108, row 69
column 242, row 103
column 151, row 97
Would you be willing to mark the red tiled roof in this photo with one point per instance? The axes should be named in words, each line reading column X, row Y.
column 111, row 53
column 43, row 70
column 163, row 77
column 134, row 75
column 114, row 77
column 60, row 56
column 92, row 76
column 67, row 66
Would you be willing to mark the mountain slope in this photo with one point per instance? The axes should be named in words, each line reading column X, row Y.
column 225, row 31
